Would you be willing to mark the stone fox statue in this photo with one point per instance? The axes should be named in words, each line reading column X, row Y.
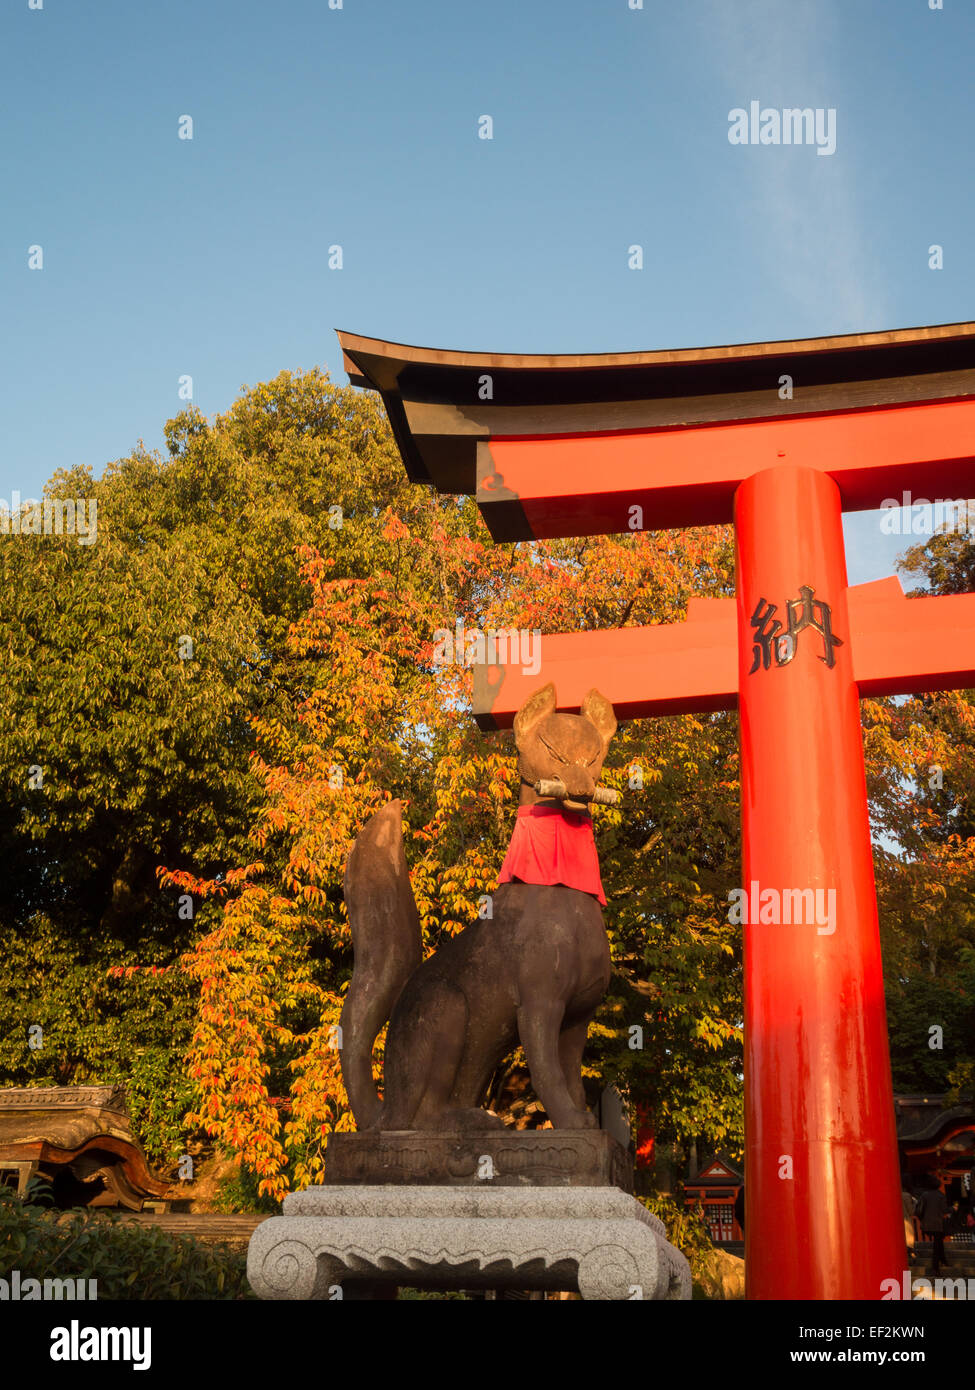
column 532, row 973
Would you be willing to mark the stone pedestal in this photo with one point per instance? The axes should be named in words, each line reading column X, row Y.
column 483, row 1158
column 336, row 1241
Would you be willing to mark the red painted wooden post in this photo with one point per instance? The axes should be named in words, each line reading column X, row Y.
column 821, row 1172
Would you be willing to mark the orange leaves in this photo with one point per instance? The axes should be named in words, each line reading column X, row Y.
column 119, row 972
column 238, row 1022
column 394, row 529
column 234, row 877
column 312, row 894
column 189, row 883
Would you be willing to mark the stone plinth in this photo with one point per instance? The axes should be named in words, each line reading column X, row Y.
column 596, row 1240
column 485, row 1159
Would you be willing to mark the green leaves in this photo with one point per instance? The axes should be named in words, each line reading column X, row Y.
column 921, row 777
column 128, row 1261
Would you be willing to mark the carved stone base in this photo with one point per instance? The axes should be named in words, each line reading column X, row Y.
column 598, row 1241
column 488, row 1158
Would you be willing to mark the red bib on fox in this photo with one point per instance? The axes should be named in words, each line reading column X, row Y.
column 549, row 846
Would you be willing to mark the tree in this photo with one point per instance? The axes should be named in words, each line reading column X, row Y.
column 921, row 778
column 136, row 667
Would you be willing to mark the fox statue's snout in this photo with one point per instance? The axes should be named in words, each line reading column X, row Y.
column 533, row 973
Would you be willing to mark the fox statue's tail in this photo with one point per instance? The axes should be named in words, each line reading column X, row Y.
column 387, row 945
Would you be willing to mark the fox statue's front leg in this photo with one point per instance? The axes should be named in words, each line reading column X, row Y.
column 558, row 939
column 538, row 1029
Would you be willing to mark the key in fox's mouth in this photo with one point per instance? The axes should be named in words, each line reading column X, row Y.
column 554, row 787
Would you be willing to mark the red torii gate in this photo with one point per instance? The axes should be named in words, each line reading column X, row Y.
column 779, row 438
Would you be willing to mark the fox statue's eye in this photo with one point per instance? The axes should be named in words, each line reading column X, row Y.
column 556, row 755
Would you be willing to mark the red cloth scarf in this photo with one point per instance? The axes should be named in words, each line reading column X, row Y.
column 550, row 846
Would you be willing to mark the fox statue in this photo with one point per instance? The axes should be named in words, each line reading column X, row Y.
column 534, row 972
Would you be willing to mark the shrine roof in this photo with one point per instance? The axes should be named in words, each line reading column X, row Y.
column 925, row 1117
column 433, row 396
column 719, row 1171
column 84, row 1129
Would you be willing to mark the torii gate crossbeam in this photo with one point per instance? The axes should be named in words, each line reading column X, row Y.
column 571, row 446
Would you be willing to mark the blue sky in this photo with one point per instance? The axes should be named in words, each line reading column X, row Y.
column 358, row 126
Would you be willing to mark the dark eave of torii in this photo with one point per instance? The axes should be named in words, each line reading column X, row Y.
column 569, row 445
column 526, row 452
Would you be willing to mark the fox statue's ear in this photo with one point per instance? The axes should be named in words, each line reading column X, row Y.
column 535, row 708
column 597, row 709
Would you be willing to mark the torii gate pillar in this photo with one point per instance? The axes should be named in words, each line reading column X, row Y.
column 820, row 1141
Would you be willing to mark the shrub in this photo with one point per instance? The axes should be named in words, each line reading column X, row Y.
column 129, row 1261
column 685, row 1229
